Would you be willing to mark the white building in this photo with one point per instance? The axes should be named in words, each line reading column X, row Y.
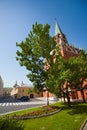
column 1, row 87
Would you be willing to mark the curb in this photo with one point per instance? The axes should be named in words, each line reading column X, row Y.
column 83, row 125
column 39, row 116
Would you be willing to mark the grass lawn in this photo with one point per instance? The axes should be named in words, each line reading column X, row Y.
column 66, row 119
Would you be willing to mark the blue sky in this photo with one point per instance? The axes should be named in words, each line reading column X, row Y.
column 16, row 19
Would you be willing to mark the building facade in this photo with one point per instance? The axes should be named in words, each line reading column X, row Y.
column 7, row 91
column 23, row 90
column 1, row 87
column 67, row 51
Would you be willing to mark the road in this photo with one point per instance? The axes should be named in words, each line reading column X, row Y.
column 8, row 106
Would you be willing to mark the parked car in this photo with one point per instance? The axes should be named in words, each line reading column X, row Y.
column 24, row 98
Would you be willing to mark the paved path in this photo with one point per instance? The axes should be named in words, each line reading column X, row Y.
column 84, row 126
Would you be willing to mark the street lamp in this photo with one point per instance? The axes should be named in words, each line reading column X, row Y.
column 47, row 94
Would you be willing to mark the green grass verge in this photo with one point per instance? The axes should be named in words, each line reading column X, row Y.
column 67, row 119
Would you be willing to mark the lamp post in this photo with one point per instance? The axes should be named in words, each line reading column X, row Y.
column 47, row 94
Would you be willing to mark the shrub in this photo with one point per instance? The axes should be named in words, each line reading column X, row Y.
column 10, row 124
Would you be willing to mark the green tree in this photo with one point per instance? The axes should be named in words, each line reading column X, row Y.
column 38, row 51
column 42, row 57
column 59, row 76
column 34, row 52
column 67, row 75
column 78, row 66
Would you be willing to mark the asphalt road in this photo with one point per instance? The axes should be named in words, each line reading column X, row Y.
column 11, row 105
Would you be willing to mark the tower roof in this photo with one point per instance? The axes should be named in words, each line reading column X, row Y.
column 57, row 29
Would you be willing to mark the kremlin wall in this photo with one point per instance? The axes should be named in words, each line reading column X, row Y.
column 67, row 51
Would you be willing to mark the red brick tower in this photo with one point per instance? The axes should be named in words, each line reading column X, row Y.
column 66, row 50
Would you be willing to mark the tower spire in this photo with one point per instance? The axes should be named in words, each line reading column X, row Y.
column 57, row 28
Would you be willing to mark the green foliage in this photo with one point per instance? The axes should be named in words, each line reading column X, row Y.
column 33, row 52
column 30, row 91
column 10, row 124
column 39, row 49
column 54, row 72
column 78, row 67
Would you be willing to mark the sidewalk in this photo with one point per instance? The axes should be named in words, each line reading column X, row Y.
column 45, row 99
column 84, row 125
column 85, row 128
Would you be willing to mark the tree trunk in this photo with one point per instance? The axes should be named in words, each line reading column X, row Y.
column 47, row 98
column 68, row 99
column 83, row 96
column 64, row 97
column 67, row 95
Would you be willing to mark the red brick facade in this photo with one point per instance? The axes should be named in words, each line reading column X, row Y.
column 67, row 51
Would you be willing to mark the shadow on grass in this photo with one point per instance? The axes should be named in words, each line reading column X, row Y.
column 76, row 108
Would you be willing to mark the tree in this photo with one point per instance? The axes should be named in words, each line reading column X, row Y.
column 68, row 75
column 59, row 77
column 42, row 57
column 34, row 52
column 47, row 67
column 78, row 66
